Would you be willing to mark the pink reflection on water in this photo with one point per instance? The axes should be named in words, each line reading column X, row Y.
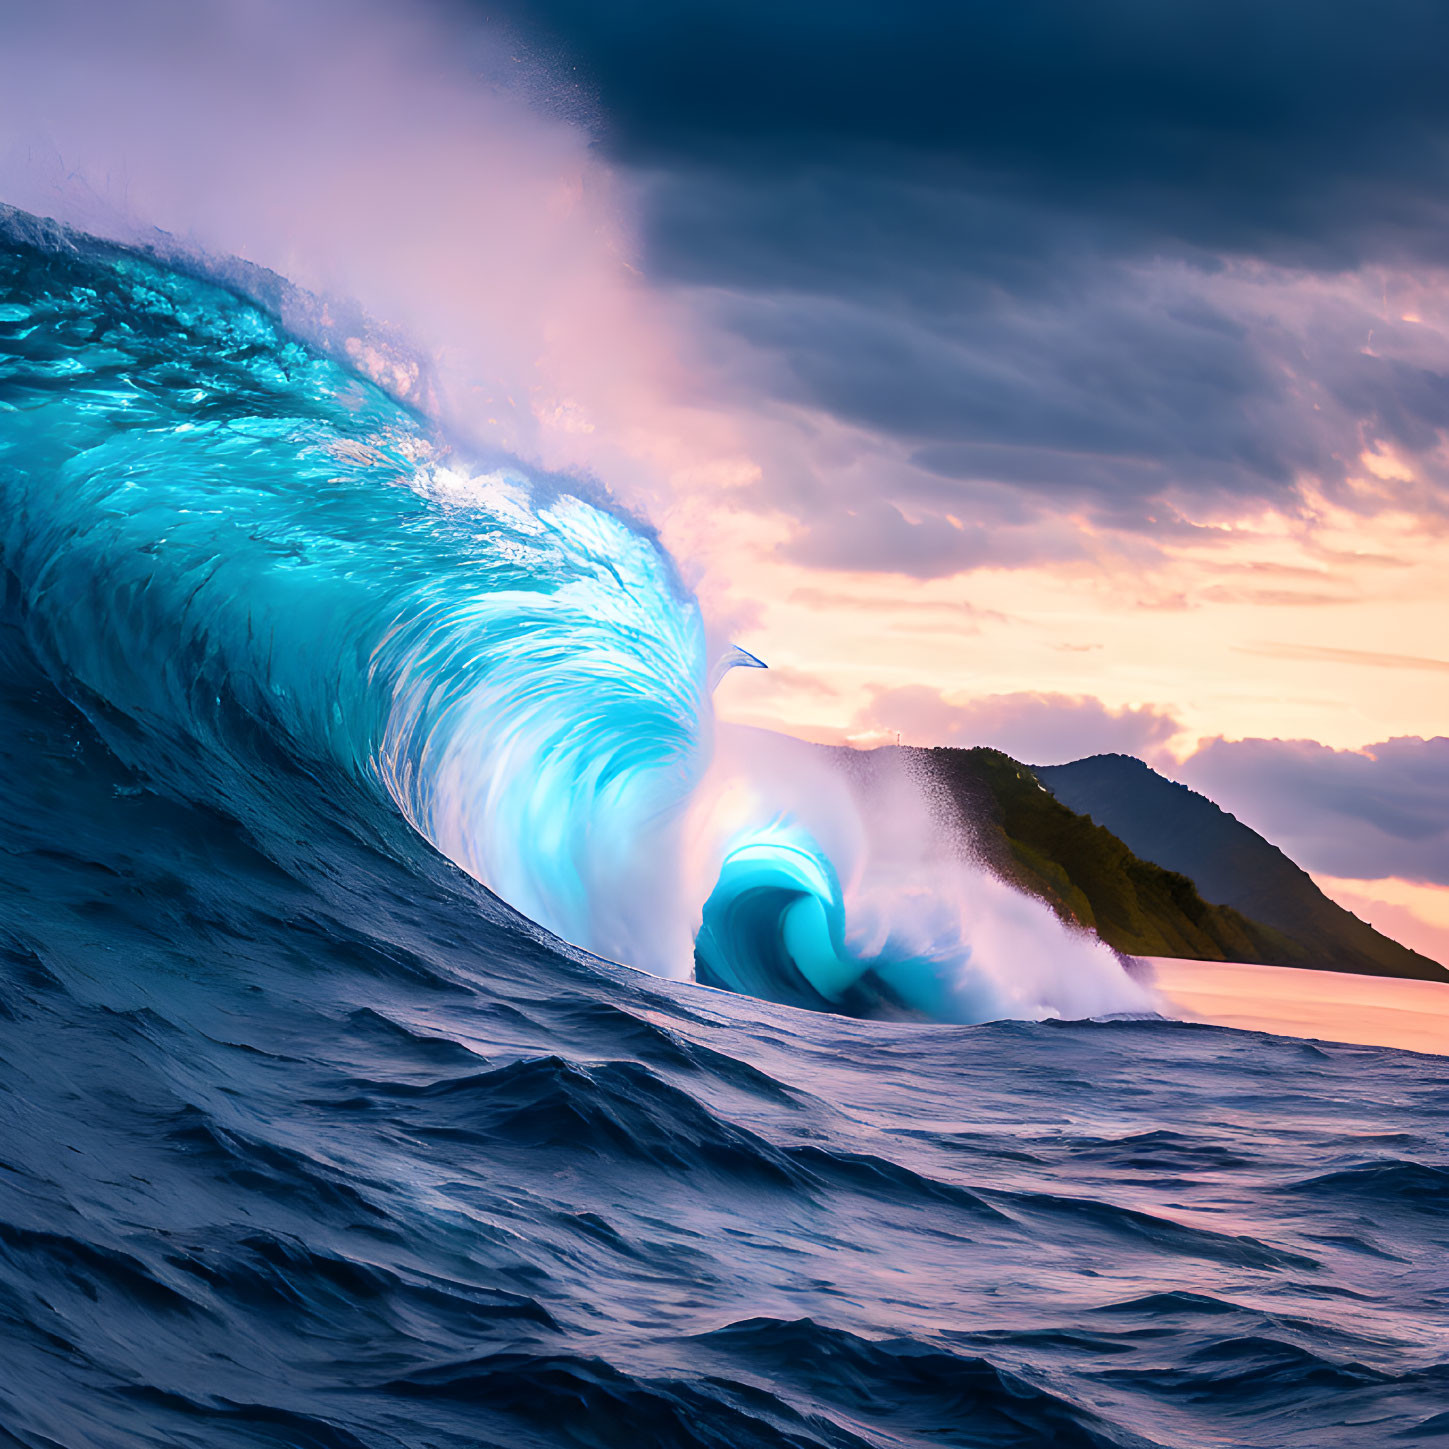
column 1322, row 1005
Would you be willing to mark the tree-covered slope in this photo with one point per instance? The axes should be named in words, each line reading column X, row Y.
column 1088, row 874
column 1181, row 830
column 1072, row 858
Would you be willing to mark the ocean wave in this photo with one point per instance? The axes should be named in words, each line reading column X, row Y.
column 914, row 1388
column 244, row 558
column 1387, row 1185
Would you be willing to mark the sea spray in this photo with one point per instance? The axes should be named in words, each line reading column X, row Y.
column 830, row 887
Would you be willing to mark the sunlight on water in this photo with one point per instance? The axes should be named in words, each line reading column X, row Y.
column 1323, row 1005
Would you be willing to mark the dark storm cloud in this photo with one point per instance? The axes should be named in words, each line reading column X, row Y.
column 1037, row 78
column 1229, row 122
column 1106, row 390
column 1008, row 240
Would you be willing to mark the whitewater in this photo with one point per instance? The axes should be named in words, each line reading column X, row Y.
column 350, row 771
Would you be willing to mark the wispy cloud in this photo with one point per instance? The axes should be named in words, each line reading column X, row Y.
column 1322, row 653
column 873, row 602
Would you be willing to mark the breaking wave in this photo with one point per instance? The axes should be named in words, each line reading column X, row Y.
column 215, row 528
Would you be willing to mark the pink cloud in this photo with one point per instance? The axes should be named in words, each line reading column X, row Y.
column 1039, row 729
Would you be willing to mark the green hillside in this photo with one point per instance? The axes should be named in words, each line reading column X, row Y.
column 1022, row 832
column 1184, row 831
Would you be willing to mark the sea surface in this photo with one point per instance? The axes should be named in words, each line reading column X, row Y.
column 1332, row 1006
column 307, row 1139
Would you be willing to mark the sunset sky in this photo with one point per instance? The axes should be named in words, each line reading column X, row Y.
column 1089, row 371
column 1063, row 378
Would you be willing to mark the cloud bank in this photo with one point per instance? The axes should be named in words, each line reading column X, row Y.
column 1155, row 267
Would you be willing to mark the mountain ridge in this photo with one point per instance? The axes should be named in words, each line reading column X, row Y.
column 1019, row 825
column 1181, row 829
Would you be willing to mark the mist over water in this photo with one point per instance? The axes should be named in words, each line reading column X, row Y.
column 862, row 894
column 400, row 163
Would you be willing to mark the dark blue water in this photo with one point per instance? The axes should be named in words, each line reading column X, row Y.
column 306, row 1139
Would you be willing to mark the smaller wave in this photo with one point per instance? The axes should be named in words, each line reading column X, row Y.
column 564, row 1398
column 1162, row 1150
column 1177, row 1302
column 1252, row 1369
column 1150, row 1230
column 1388, row 1184
column 617, row 1114
column 901, row 1386
column 877, row 1177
